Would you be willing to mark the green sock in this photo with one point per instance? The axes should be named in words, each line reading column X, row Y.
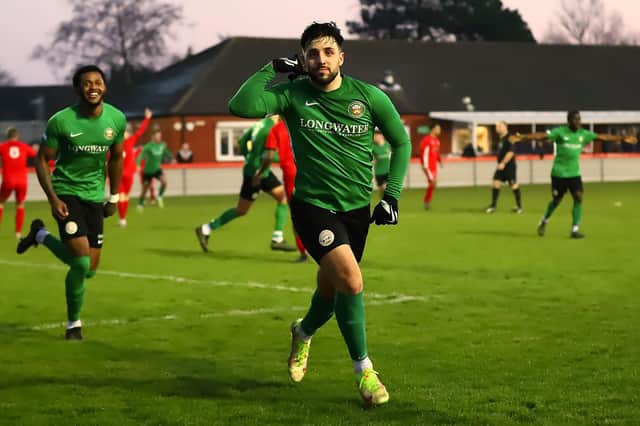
column 281, row 216
column 56, row 247
column 74, row 286
column 162, row 188
column 224, row 218
column 141, row 201
column 550, row 208
column 576, row 213
column 350, row 316
column 320, row 311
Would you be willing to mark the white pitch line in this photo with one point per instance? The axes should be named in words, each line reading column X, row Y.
column 214, row 283
column 378, row 299
column 225, row 314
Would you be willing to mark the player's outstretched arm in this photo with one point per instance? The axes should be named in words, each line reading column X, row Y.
column 616, row 138
column 519, row 137
column 114, row 168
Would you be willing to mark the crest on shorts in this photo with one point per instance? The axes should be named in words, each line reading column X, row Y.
column 326, row 237
column 71, row 228
column 356, row 109
column 108, row 133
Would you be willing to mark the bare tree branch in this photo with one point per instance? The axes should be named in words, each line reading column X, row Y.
column 587, row 22
column 6, row 79
column 115, row 34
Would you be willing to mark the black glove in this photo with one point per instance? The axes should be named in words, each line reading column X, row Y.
column 108, row 209
column 292, row 65
column 386, row 212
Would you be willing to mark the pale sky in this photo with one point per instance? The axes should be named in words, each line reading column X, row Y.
column 22, row 28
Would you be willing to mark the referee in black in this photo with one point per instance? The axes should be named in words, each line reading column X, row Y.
column 506, row 170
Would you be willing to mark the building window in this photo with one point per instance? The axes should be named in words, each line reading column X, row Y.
column 227, row 135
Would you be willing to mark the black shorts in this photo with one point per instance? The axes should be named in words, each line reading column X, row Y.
column 146, row 177
column 507, row 175
column 85, row 218
column 382, row 179
column 323, row 230
column 267, row 184
column 561, row 185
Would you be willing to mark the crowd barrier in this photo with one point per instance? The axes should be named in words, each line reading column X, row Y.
column 226, row 178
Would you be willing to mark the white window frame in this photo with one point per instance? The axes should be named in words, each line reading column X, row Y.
column 228, row 127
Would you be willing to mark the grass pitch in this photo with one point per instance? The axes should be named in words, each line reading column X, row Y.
column 472, row 319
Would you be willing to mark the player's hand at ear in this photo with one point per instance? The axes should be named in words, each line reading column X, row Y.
column 385, row 212
column 291, row 65
column 109, row 209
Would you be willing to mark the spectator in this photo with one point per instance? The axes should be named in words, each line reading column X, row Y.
column 184, row 154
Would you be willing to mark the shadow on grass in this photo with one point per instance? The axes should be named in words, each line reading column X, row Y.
column 530, row 233
column 225, row 254
column 150, row 372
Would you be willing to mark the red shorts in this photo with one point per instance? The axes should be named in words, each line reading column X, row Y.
column 7, row 188
column 126, row 182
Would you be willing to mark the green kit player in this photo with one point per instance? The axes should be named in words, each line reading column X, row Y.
column 79, row 138
column 252, row 146
column 154, row 153
column 381, row 160
column 331, row 118
column 565, row 172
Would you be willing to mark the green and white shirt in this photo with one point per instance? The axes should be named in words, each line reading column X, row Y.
column 253, row 157
column 569, row 145
column 82, row 144
column 153, row 154
column 331, row 135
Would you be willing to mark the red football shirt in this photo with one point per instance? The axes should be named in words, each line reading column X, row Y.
column 429, row 151
column 129, row 154
column 278, row 138
column 14, row 156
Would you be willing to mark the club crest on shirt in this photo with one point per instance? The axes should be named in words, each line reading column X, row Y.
column 108, row 133
column 581, row 138
column 356, row 109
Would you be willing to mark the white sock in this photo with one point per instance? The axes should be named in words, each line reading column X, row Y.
column 74, row 324
column 41, row 235
column 363, row 364
column 277, row 236
column 300, row 334
column 574, row 228
column 206, row 229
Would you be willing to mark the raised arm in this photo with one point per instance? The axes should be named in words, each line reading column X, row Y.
column 253, row 100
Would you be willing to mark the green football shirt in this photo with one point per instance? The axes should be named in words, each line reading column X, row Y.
column 569, row 145
column 331, row 135
column 253, row 158
column 153, row 153
column 382, row 155
column 82, row 144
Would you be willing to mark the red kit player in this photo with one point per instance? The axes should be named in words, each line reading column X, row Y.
column 14, row 156
column 429, row 158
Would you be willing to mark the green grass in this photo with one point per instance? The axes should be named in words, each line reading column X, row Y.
column 505, row 328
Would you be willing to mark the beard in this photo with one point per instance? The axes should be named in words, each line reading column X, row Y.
column 323, row 80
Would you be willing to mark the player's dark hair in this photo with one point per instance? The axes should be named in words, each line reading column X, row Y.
column 320, row 30
column 12, row 132
column 572, row 113
column 83, row 70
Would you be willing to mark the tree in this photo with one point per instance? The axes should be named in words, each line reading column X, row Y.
column 119, row 35
column 6, row 79
column 587, row 22
column 440, row 20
